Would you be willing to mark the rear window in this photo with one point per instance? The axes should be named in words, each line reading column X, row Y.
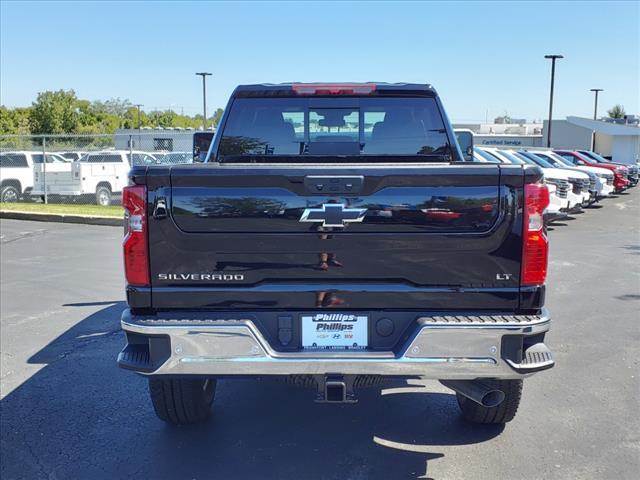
column 594, row 156
column 538, row 160
column 547, row 160
column 512, row 158
column 13, row 160
column 486, row 156
column 568, row 157
column 524, row 158
column 55, row 158
column 305, row 127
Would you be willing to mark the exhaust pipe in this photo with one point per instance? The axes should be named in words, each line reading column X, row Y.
column 477, row 391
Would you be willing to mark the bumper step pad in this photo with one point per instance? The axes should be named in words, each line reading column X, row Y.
column 536, row 358
column 136, row 357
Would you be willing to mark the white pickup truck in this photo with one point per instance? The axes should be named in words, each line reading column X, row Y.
column 17, row 170
column 561, row 199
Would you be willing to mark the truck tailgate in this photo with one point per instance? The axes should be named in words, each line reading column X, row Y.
column 285, row 237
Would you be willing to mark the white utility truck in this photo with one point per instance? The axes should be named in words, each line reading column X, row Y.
column 98, row 175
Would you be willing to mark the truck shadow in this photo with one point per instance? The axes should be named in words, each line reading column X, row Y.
column 80, row 416
column 632, row 249
column 629, row 296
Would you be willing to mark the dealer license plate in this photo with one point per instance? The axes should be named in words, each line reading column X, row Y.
column 335, row 331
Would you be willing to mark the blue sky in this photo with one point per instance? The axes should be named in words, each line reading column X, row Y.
column 479, row 55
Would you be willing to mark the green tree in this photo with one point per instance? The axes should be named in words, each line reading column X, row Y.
column 108, row 115
column 217, row 115
column 113, row 106
column 6, row 121
column 130, row 118
column 163, row 119
column 61, row 112
column 617, row 111
column 54, row 112
column 14, row 121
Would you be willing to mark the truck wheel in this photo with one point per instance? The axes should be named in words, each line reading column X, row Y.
column 9, row 194
column 182, row 401
column 103, row 196
column 503, row 413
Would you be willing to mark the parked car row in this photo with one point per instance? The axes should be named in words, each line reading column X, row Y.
column 576, row 178
column 96, row 176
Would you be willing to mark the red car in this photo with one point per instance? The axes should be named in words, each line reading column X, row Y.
column 620, row 172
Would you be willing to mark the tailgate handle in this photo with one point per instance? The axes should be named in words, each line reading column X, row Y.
column 160, row 209
column 333, row 184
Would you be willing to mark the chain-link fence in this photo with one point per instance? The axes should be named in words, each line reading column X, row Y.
column 87, row 169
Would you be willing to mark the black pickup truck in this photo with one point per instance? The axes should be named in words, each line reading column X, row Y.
column 335, row 237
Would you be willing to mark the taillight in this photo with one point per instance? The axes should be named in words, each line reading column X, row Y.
column 333, row 88
column 136, row 258
column 535, row 245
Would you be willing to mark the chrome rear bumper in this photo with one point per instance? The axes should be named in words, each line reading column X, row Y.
column 442, row 347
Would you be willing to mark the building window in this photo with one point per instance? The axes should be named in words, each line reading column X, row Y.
column 163, row 144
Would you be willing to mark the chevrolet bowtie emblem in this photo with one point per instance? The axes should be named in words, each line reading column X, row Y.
column 333, row 215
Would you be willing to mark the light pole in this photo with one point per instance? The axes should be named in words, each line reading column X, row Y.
column 139, row 124
column 204, row 75
column 595, row 117
column 139, row 105
column 553, row 77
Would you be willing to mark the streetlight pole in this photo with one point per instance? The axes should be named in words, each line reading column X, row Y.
column 553, row 59
column 204, row 75
column 139, row 105
column 595, row 117
column 139, row 124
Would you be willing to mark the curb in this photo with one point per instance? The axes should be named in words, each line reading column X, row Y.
column 62, row 218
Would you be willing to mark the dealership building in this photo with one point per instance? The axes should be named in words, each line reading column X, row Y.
column 520, row 134
column 618, row 141
column 615, row 139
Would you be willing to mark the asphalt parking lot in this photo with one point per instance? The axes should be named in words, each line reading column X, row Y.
column 68, row 412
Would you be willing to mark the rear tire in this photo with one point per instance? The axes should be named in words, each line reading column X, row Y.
column 103, row 196
column 182, row 401
column 503, row 413
column 9, row 194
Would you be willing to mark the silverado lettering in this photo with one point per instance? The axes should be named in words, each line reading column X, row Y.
column 374, row 250
column 200, row 276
